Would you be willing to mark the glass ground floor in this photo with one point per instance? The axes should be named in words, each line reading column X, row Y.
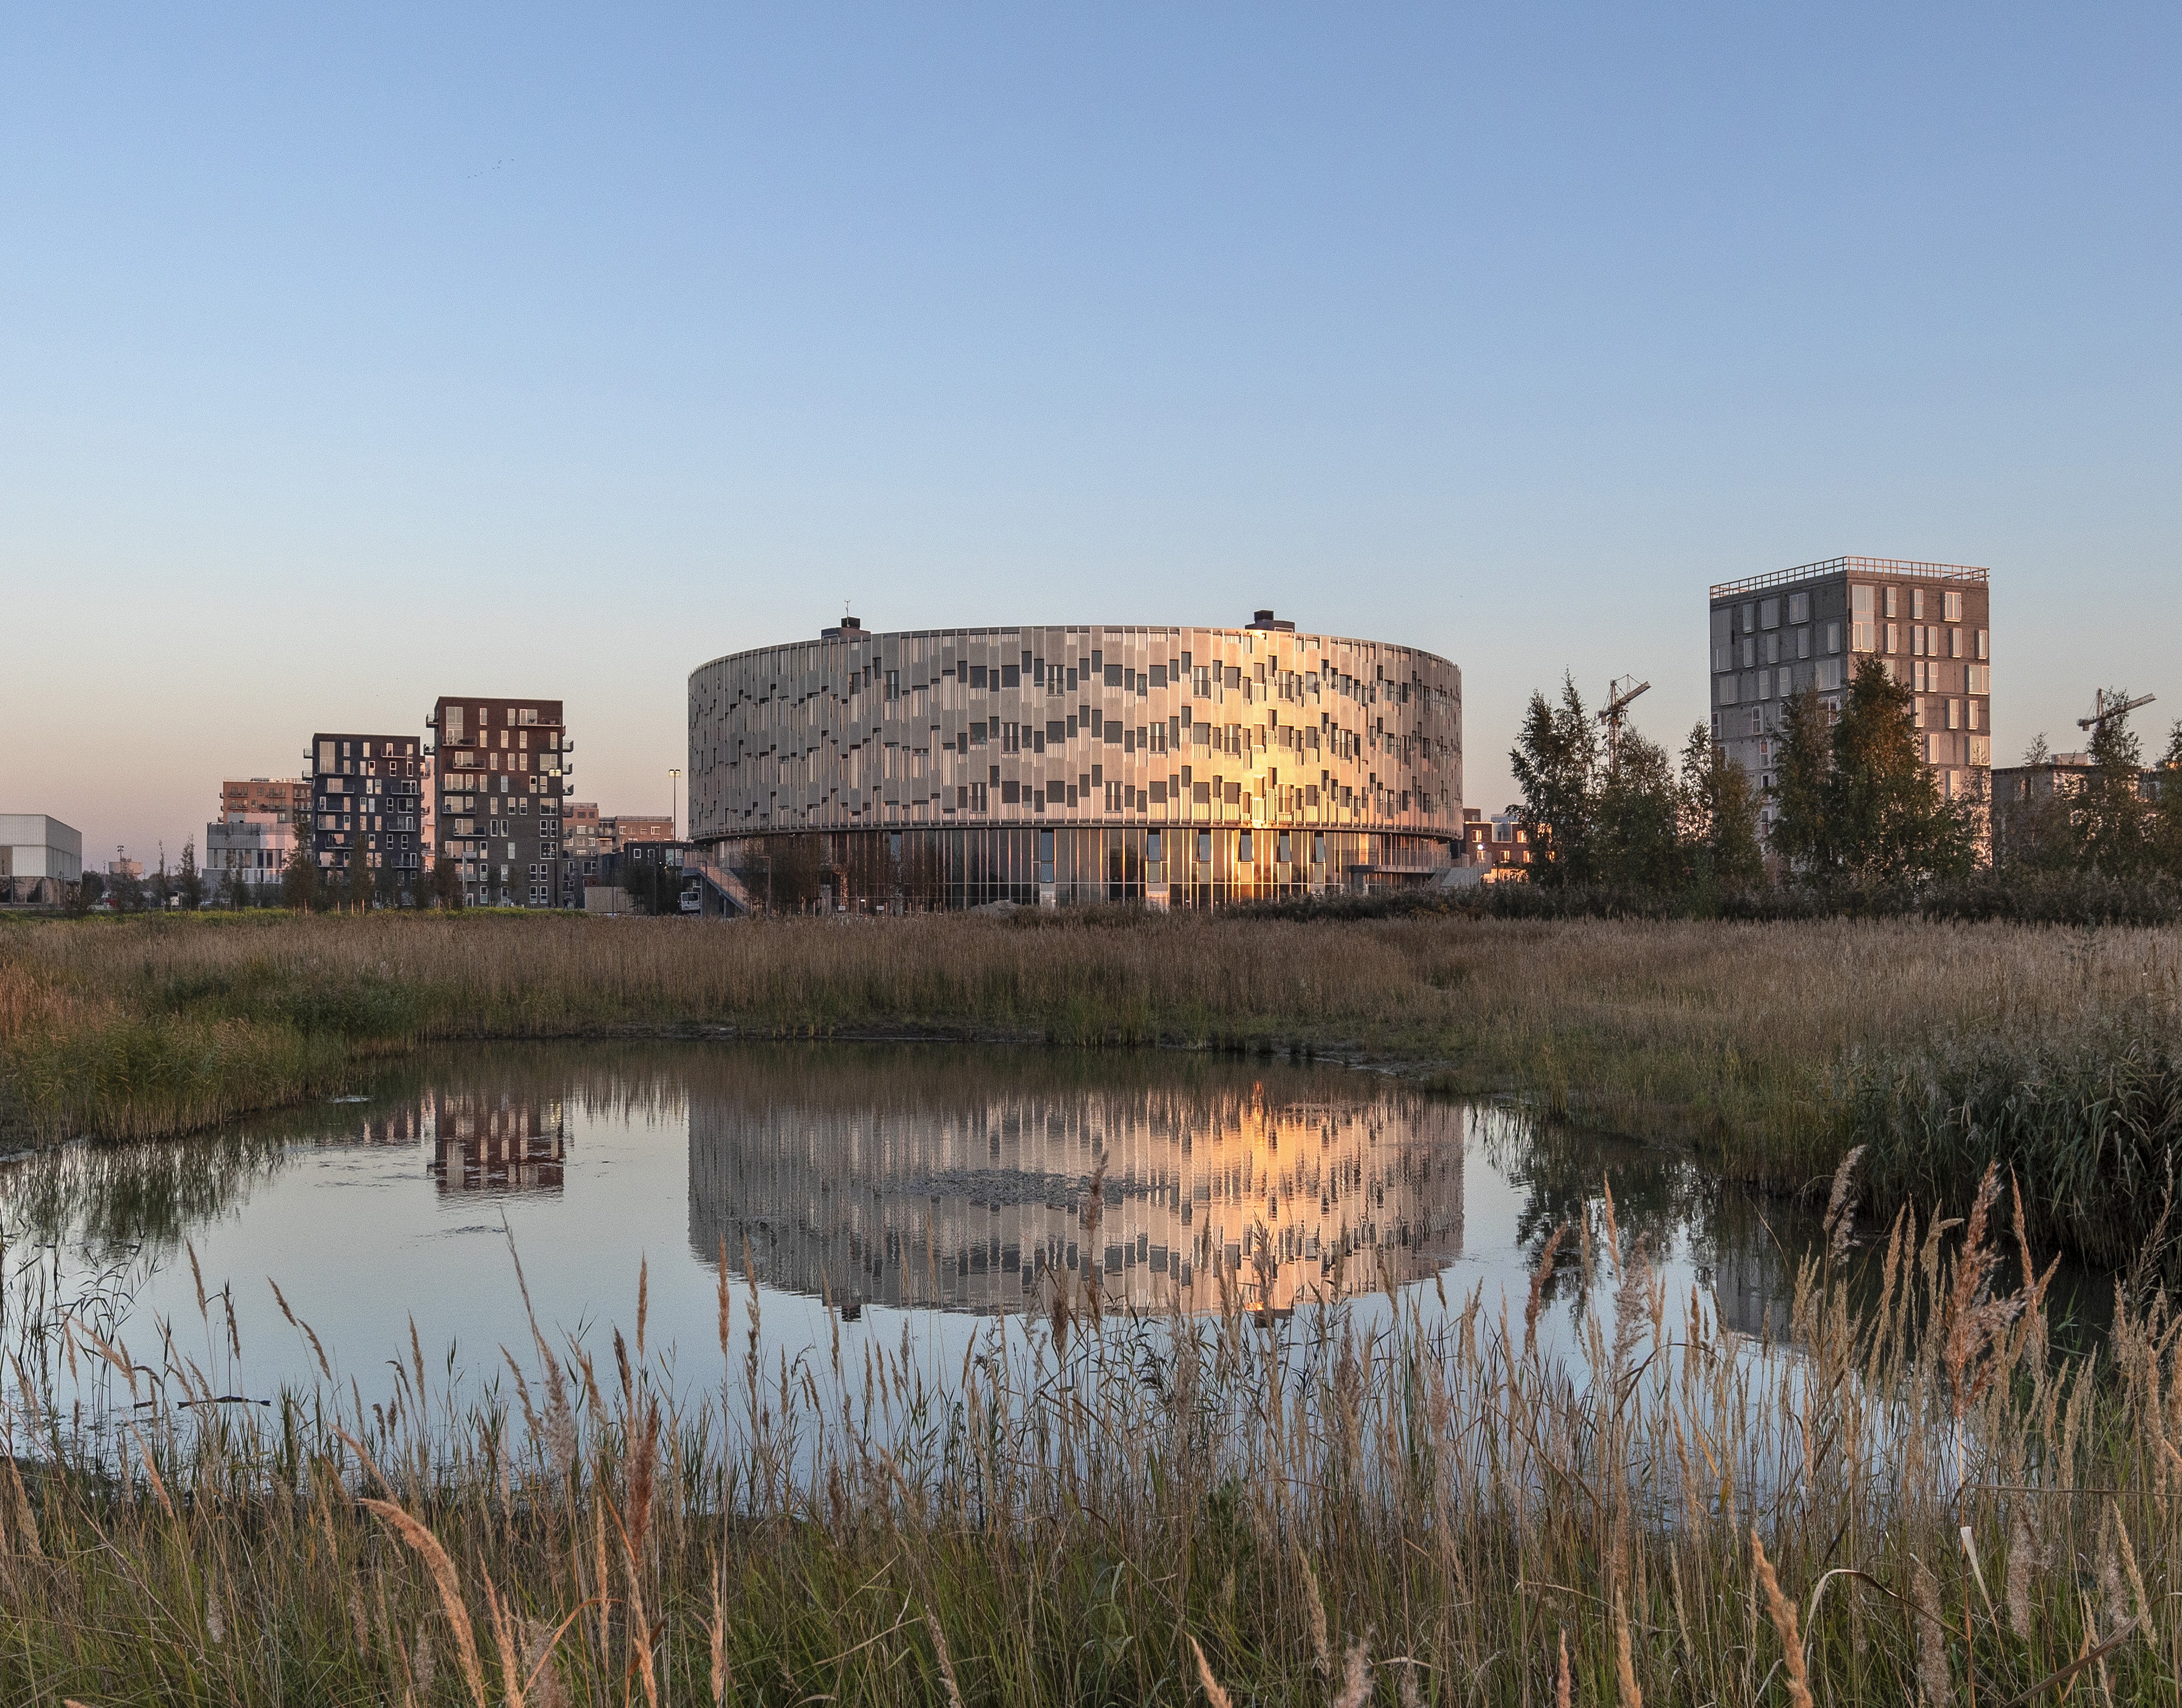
column 1180, row 865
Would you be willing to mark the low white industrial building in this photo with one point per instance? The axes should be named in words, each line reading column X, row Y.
column 38, row 855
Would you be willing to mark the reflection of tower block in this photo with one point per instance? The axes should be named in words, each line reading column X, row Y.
column 498, row 1145
column 401, row 1126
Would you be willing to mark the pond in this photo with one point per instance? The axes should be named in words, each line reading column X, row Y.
column 898, row 1191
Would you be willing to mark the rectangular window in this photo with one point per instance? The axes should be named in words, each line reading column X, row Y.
column 1010, row 677
column 1916, row 601
column 1893, row 632
column 1727, row 696
column 1772, row 649
column 1971, row 715
column 1953, row 612
column 1893, row 599
column 1917, row 712
column 1749, row 619
column 1954, row 714
column 1859, row 601
column 1769, row 613
column 1749, row 653
column 1802, row 642
column 1010, row 794
column 1833, row 636
column 1984, row 644
column 1954, row 642
column 1799, row 607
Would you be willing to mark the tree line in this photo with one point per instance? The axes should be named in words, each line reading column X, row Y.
column 1854, row 807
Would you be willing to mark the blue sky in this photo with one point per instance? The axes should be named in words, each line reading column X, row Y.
column 347, row 361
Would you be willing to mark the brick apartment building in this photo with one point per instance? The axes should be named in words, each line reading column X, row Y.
column 371, row 798
column 1500, row 844
column 284, row 797
column 503, row 771
column 1928, row 624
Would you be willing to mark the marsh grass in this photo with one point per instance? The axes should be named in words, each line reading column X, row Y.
column 1739, row 1040
column 1410, row 1502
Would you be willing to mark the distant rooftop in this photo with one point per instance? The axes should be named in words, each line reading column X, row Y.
column 1897, row 568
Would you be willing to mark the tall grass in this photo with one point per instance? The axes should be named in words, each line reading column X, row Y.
column 1418, row 1502
column 2089, row 1121
column 1732, row 1038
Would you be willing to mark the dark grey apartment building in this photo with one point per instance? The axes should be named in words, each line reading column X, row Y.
column 503, row 768
column 1928, row 624
column 370, row 800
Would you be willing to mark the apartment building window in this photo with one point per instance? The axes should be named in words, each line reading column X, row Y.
column 1749, row 653
column 1769, row 613
column 1984, row 644
column 1893, row 632
column 1954, row 642
column 1954, row 714
column 1953, row 611
column 1749, row 619
column 1799, row 607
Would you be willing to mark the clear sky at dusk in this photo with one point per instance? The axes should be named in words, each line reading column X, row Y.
column 347, row 361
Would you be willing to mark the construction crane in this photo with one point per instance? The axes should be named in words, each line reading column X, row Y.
column 2101, row 711
column 1620, row 692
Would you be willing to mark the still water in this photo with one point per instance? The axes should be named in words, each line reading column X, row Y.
column 904, row 1192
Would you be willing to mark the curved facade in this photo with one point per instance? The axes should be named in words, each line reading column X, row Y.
column 1176, row 767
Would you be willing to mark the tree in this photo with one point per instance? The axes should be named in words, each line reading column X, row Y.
column 1856, row 801
column 388, row 885
column 2031, row 830
column 2167, row 811
column 1636, row 839
column 2112, row 820
column 356, row 882
column 189, row 886
column 162, row 887
column 301, row 887
column 127, row 890
column 446, row 883
column 84, row 894
column 1718, row 818
column 1555, row 761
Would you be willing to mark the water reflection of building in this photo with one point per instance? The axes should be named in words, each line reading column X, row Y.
column 499, row 1141
column 503, row 1139
column 404, row 1123
column 971, row 1205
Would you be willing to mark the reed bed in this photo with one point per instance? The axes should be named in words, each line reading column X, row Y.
column 1735, row 1039
column 1421, row 1501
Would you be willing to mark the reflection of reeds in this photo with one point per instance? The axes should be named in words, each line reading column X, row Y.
column 1140, row 1510
column 1727, row 1035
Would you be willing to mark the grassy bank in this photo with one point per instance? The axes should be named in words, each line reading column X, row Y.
column 1393, row 1507
column 1767, row 1047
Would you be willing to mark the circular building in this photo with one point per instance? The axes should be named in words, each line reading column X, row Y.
column 1184, row 767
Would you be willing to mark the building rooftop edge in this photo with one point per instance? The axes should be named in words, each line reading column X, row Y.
column 1911, row 568
column 863, row 637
